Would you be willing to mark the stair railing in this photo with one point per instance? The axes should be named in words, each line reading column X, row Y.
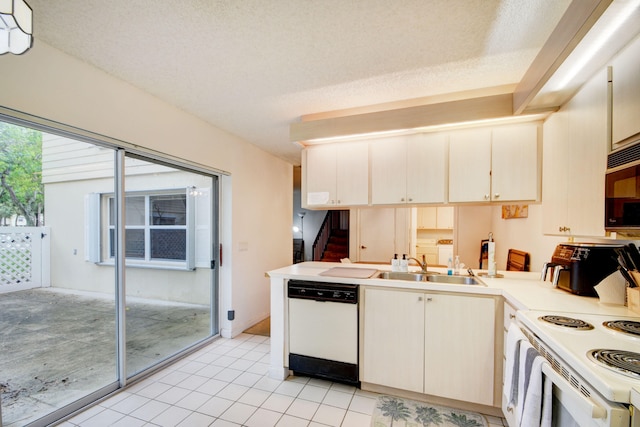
column 332, row 220
column 320, row 243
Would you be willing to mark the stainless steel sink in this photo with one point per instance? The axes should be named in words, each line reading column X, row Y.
column 430, row 277
column 456, row 280
column 413, row 277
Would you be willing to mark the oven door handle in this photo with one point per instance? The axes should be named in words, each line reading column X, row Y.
column 575, row 398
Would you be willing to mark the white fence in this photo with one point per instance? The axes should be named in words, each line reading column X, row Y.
column 24, row 258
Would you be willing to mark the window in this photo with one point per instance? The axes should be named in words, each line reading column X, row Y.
column 158, row 230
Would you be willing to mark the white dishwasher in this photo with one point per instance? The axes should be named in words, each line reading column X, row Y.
column 323, row 330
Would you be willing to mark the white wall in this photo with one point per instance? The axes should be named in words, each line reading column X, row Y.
column 47, row 83
column 475, row 222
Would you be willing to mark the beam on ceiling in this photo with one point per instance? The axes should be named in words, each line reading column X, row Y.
column 574, row 24
column 464, row 110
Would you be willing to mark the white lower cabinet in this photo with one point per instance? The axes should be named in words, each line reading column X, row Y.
column 441, row 344
column 394, row 339
column 459, row 347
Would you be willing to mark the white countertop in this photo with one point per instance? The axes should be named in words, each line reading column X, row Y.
column 523, row 290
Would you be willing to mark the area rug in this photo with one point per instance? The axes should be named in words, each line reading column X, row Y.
column 393, row 411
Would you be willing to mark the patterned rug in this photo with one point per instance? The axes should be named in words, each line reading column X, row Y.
column 393, row 411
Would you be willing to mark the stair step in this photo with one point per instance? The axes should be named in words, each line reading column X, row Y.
column 339, row 240
column 333, row 247
column 340, row 233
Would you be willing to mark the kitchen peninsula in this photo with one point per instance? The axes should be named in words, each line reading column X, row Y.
column 457, row 351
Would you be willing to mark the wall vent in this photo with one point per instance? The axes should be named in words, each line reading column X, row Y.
column 625, row 156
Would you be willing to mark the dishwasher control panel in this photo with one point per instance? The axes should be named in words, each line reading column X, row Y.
column 322, row 291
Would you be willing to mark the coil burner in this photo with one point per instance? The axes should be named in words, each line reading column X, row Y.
column 625, row 326
column 567, row 322
column 624, row 362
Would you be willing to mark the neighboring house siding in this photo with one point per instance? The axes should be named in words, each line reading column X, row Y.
column 74, row 169
column 65, row 159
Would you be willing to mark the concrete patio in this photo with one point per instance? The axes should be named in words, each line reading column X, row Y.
column 56, row 345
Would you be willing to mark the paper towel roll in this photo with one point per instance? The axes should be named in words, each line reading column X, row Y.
column 491, row 258
column 612, row 289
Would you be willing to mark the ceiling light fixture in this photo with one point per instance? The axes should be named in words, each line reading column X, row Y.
column 16, row 27
column 425, row 129
column 603, row 35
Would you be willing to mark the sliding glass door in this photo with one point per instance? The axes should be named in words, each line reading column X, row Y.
column 168, row 248
column 57, row 306
column 106, row 268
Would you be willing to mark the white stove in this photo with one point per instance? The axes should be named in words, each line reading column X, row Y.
column 573, row 346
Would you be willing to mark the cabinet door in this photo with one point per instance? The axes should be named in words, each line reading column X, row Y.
column 459, row 347
column 626, row 92
column 320, row 173
column 426, row 168
column 444, row 217
column 388, row 171
column 393, row 353
column 588, row 158
column 555, row 162
column 428, row 217
column 514, row 163
column 352, row 174
column 470, row 165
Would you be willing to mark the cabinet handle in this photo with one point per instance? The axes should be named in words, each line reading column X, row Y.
column 363, row 247
column 402, row 199
column 486, row 197
column 419, row 298
column 512, row 316
column 563, row 229
column 410, row 199
column 429, row 299
column 496, row 196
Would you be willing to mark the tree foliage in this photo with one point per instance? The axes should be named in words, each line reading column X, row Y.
column 21, row 190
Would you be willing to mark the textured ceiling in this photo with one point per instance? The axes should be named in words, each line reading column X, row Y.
column 253, row 67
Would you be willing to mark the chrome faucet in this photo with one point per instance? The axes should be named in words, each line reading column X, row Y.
column 423, row 264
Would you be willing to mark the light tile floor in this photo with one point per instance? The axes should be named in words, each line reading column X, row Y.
column 226, row 384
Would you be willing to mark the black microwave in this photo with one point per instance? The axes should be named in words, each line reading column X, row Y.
column 622, row 198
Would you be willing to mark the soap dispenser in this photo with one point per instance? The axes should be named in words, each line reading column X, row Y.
column 456, row 266
column 449, row 270
column 404, row 263
column 395, row 263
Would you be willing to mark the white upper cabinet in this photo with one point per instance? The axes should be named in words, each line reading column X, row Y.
column 473, row 165
column 427, row 167
column 626, row 93
column 470, row 165
column 435, row 217
column 494, row 164
column 575, row 161
column 336, row 175
column 388, row 171
column 408, row 169
column 514, row 163
column 555, row 179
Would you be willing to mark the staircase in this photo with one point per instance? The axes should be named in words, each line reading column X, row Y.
column 337, row 246
column 332, row 242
